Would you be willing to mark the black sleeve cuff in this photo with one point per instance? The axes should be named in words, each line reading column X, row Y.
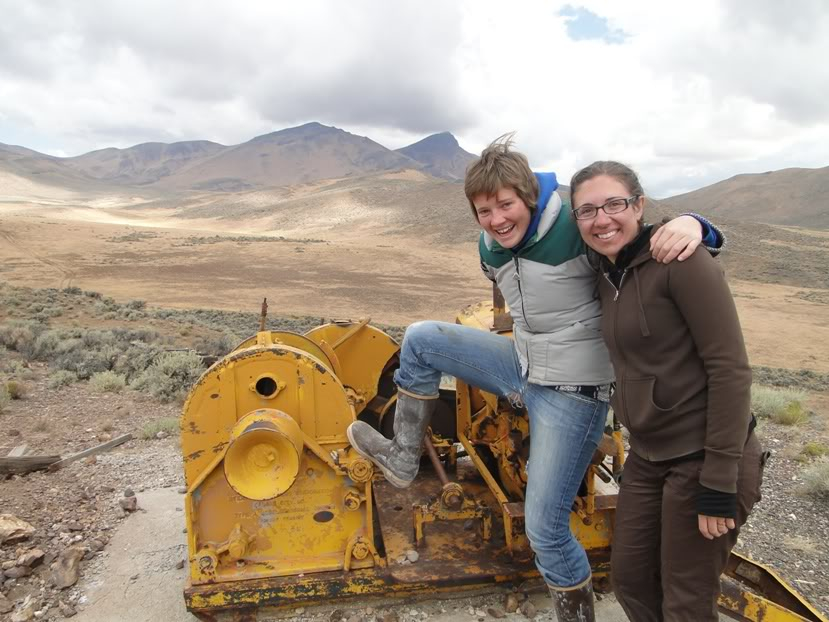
column 716, row 503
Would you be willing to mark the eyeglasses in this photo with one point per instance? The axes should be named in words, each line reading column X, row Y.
column 613, row 206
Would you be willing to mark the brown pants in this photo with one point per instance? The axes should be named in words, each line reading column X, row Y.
column 663, row 569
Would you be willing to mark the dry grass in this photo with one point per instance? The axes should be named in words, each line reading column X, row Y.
column 813, row 449
column 15, row 389
column 784, row 406
column 169, row 425
column 816, row 479
column 793, row 414
column 62, row 378
column 107, row 382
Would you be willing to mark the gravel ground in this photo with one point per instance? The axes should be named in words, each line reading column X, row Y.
column 787, row 530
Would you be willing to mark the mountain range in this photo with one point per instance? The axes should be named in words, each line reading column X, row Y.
column 315, row 152
column 291, row 156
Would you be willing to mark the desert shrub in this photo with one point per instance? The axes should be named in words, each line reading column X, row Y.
column 62, row 378
column 816, row 479
column 98, row 339
column 4, row 398
column 807, row 379
column 82, row 362
column 217, row 346
column 793, row 414
column 768, row 402
column 16, row 390
column 167, row 424
column 170, row 376
column 132, row 315
column 20, row 335
column 814, row 450
column 47, row 343
column 135, row 359
column 15, row 368
column 107, row 382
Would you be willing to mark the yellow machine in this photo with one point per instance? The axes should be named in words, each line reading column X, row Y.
column 281, row 511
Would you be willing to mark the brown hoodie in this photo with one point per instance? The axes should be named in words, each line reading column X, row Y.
column 682, row 374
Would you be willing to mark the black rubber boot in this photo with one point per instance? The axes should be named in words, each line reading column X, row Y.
column 574, row 604
column 398, row 458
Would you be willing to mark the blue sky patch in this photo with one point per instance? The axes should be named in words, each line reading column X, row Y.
column 584, row 25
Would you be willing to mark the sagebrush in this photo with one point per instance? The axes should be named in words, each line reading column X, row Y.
column 170, row 376
column 107, row 382
column 780, row 405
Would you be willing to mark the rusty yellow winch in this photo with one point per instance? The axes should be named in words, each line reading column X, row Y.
column 281, row 511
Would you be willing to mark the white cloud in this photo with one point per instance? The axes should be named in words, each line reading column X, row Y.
column 692, row 94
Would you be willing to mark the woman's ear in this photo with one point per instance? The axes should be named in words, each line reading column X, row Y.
column 639, row 207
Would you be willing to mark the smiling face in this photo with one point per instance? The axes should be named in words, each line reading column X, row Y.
column 503, row 215
column 608, row 234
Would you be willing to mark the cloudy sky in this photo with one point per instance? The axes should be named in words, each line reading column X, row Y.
column 687, row 93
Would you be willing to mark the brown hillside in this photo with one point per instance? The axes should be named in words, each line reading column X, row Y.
column 441, row 156
column 293, row 156
column 794, row 196
column 409, row 203
column 142, row 164
column 39, row 168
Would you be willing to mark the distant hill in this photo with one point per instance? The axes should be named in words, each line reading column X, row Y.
column 314, row 152
column 142, row 164
column 441, row 156
column 292, row 156
column 21, row 168
column 793, row 196
column 296, row 155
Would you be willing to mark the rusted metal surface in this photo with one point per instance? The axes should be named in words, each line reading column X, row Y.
column 753, row 592
column 501, row 318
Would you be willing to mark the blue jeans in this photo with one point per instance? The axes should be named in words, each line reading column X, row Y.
column 565, row 429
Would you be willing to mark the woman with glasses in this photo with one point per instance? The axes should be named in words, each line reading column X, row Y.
column 682, row 390
column 556, row 365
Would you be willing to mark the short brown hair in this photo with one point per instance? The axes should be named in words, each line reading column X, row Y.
column 501, row 167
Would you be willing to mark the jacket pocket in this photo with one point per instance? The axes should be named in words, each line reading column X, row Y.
column 636, row 399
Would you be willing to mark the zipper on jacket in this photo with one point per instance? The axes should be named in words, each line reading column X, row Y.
column 521, row 291
column 620, row 382
column 616, row 289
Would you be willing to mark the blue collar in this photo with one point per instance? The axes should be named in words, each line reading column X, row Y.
column 547, row 184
